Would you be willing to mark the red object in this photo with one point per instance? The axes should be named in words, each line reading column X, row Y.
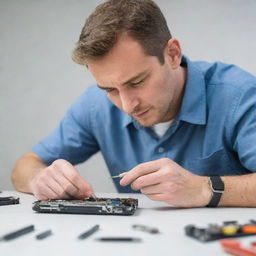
column 233, row 246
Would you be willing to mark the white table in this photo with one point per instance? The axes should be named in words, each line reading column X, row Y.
column 66, row 228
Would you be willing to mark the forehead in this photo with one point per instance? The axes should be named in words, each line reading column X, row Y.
column 125, row 60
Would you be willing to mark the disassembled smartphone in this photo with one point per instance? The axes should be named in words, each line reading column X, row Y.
column 100, row 206
column 9, row 200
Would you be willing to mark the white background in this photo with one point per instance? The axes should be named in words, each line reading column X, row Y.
column 39, row 81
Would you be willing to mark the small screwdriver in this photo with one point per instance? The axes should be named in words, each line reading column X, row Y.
column 121, row 175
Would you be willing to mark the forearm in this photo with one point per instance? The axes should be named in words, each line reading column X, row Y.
column 25, row 170
column 239, row 191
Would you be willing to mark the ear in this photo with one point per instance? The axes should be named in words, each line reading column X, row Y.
column 173, row 53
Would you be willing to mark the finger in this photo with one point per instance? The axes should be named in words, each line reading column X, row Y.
column 140, row 170
column 58, row 184
column 159, row 176
column 84, row 189
column 62, row 186
column 162, row 188
column 70, row 173
column 48, row 193
column 41, row 197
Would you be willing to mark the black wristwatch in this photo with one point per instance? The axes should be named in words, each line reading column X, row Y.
column 217, row 187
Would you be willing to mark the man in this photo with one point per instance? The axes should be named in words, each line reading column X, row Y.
column 183, row 131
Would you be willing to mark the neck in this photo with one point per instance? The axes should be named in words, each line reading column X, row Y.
column 181, row 81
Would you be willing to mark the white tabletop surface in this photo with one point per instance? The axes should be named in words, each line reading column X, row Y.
column 67, row 227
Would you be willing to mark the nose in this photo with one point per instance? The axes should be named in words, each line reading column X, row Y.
column 129, row 101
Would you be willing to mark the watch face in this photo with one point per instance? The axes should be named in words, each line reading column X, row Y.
column 217, row 187
column 217, row 183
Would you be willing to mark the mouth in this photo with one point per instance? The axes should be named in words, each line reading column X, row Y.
column 141, row 114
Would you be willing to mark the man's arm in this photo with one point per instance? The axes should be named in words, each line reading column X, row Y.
column 59, row 180
column 240, row 191
column 26, row 168
column 164, row 180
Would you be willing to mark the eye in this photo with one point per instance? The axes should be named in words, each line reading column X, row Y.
column 137, row 83
column 110, row 90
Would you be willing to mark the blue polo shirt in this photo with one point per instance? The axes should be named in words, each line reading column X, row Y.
column 213, row 134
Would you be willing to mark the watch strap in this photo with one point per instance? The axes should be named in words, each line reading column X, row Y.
column 217, row 187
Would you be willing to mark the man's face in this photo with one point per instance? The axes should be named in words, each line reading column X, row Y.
column 139, row 84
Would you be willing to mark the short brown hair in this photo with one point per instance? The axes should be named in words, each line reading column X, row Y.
column 140, row 19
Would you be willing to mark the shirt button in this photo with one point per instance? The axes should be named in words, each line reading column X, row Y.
column 160, row 150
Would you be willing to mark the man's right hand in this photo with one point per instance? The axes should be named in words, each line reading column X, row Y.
column 60, row 180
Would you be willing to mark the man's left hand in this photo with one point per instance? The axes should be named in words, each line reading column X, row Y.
column 166, row 181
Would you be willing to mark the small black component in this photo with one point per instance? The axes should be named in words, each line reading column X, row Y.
column 18, row 233
column 119, row 239
column 100, row 206
column 145, row 228
column 89, row 232
column 44, row 234
column 9, row 200
column 231, row 222
column 189, row 230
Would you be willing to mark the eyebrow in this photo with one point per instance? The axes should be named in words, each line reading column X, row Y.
column 141, row 74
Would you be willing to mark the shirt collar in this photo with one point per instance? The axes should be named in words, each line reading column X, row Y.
column 128, row 120
column 193, row 108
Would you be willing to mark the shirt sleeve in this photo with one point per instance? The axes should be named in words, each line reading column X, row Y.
column 73, row 139
column 244, row 134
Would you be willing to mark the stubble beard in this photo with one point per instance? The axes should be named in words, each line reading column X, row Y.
column 161, row 116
